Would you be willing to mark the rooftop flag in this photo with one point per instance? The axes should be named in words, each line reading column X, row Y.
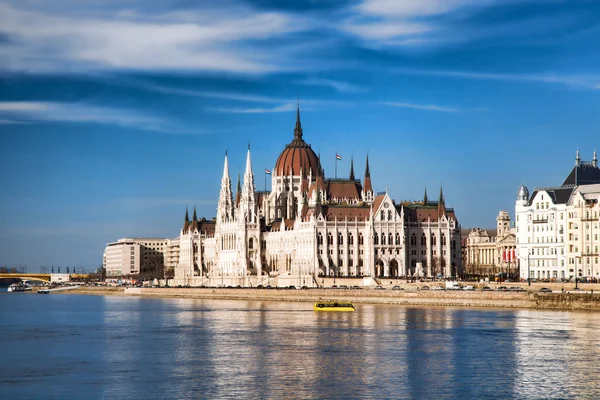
column 268, row 171
column 338, row 157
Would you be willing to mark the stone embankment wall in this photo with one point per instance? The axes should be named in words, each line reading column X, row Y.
column 410, row 297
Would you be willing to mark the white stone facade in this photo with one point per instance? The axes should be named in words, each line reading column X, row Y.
column 309, row 227
column 558, row 228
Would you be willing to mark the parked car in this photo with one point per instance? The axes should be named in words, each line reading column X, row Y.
column 425, row 288
column 469, row 287
column 378, row 287
column 486, row 289
column 334, row 287
column 502, row 288
column 356, row 287
column 397, row 288
column 343, row 287
column 516, row 289
column 546, row 290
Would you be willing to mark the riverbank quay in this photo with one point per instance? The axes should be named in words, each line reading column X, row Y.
column 568, row 300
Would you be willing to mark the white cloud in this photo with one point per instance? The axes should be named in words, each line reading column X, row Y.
column 32, row 111
column 240, row 110
column 209, row 40
column 587, row 81
column 424, row 107
column 340, row 86
column 11, row 122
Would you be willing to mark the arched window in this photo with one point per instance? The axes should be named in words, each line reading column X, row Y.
column 320, row 239
column 443, row 239
column 361, row 239
column 251, row 243
column 389, row 215
column 350, row 239
column 383, row 238
column 423, row 240
column 376, row 238
column 397, row 238
column 413, row 240
column 390, row 239
column 433, row 241
column 340, row 238
column 330, row 239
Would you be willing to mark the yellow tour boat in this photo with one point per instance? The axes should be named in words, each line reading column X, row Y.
column 332, row 305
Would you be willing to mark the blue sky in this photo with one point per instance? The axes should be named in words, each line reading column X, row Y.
column 115, row 115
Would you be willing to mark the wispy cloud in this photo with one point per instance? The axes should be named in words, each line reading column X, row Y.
column 429, row 24
column 35, row 111
column 242, row 110
column 424, row 107
column 340, row 86
column 208, row 39
column 11, row 122
column 587, row 81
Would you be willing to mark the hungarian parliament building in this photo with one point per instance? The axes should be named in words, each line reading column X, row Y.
column 308, row 227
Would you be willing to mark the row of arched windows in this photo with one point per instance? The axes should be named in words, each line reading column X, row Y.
column 413, row 240
column 381, row 239
column 340, row 239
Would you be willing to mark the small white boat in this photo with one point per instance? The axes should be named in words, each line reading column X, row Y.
column 18, row 287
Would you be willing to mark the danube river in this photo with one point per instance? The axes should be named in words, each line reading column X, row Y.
column 94, row 347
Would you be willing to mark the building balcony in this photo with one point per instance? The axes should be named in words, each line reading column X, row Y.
column 589, row 254
column 540, row 221
column 589, row 219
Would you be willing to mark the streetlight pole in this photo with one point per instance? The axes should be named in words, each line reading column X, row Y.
column 576, row 274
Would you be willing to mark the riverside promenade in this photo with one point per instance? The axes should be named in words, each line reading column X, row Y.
column 588, row 298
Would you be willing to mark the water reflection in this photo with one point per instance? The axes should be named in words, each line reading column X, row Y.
column 131, row 347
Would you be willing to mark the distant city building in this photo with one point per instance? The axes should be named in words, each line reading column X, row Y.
column 558, row 228
column 129, row 256
column 309, row 227
column 490, row 252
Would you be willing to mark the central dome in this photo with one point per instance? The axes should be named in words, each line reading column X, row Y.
column 297, row 155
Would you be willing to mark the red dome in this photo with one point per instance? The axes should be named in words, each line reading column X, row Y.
column 293, row 159
column 297, row 155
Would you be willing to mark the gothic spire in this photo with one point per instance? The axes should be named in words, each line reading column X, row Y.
column 441, row 195
column 194, row 218
column 368, row 188
column 186, row 221
column 352, row 168
column 298, row 128
column 425, row 197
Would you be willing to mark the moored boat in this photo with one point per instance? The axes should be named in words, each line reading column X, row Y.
column 18, row 287
column 332, row 305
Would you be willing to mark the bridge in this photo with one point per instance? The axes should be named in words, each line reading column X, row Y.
column 41, row 277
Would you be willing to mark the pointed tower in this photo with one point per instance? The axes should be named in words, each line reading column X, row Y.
column 367, row 193
column 225, row 206
column 577, row 159
column 247, row 201
column 186, row 221
column 194, row 223
column 425, row 200
column 595, row 160
column 351, row 177
column 238, row 192
column 441, row 204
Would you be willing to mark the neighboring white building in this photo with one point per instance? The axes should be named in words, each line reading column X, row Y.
column 557, row 227
column 122, row 258
column 128, row 256
column 309, row 227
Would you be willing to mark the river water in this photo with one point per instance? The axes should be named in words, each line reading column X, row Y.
column 94, row 347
